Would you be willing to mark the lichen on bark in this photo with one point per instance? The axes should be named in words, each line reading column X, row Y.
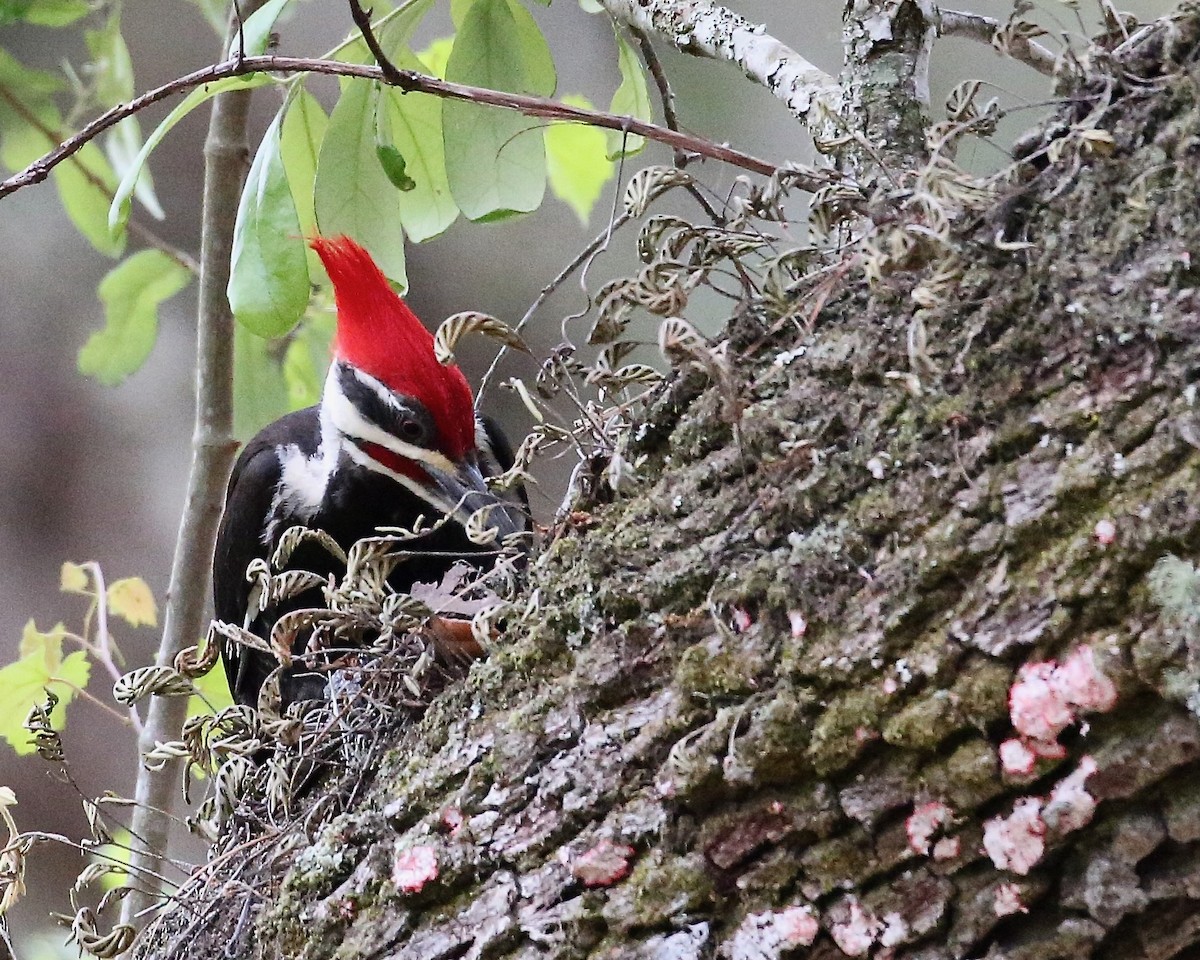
column 751, row 670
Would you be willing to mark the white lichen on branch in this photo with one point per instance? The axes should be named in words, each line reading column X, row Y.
column 706, row 29
column 956, row 23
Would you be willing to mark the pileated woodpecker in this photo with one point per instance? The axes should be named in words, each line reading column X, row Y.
column 395, row 437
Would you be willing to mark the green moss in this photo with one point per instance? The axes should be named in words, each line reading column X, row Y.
column 848, row 723
column 660, row 887
column 843, row 861
column 722, row 666
column 968, row 778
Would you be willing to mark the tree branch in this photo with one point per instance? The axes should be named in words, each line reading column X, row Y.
column 956, row 23
column 705, row 29
column 542, row 107
column 227, row 158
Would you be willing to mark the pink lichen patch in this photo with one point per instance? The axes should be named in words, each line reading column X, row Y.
column 1016, row 758
column 1017, row 842
column 414, row 868
column 1047, row 751
column 1007, row 900
column 797, row 926
column 1105, row 532
column 894, row 931
column 865, row 735
column 890, row 685
column 603, row 865
column 857, row 931
column 948, row 848
column 742, row 620
column 1046, row 698
column 798, row 623
column 1069, row 806
column 1036, row 705
column 1083, row 684
column 925, row 821
column 771, row 934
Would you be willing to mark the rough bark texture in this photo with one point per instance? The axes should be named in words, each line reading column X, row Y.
column 663, row 694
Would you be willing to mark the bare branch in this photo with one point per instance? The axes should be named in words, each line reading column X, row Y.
column 542, row 107
column 956, row 23
column 226, row 161
column 706, row 29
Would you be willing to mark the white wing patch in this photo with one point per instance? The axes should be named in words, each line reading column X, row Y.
column 301, row 487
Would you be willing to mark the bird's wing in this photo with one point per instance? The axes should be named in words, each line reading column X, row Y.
column 248, row 504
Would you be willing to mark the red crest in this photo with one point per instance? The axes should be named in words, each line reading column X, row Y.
column 378, row 334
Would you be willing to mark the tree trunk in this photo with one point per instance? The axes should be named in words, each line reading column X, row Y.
column 747, row 687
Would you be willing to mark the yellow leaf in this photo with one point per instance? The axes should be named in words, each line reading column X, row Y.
column 46, row 646
column 576, row 162
column 131, row 599
column 436, row 56
column 24, row 684
column 73, row 579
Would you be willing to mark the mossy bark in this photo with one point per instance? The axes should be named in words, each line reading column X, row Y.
column 747, row 673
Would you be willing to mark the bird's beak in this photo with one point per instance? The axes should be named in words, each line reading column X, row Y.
column 466, row 490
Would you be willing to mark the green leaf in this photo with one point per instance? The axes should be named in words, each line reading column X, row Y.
column 32, row 125
column 41, row 667
column 495, row 159
column 631, row 99
column 111, row 65
column 577, row 163
column 415, row 124
column 307, row 360
column 131, row 292
column 26, row 84
column 84, row 182
column 400, row 28
column 300, row 145
column 541, row 79
column 459, row 10
column 268, row 281
column 353, row 194
column 256, row 30
column 259, row 392
column 44, row 13
column 392, row 161
column 118, row 212
column 435, row 56
column 113, row 70
column 121, row 146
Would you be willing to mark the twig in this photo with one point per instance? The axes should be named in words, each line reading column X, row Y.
column 667, row 98
column 973, row 26
column 226, row 161
column 103, row 649
column 811, row 179
column 549, row 288
column 362, row 20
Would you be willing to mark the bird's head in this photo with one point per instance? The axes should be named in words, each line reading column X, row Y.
column 395, row 409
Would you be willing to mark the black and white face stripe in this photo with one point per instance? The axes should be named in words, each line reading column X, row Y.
column 361, row 410
column 405, row 418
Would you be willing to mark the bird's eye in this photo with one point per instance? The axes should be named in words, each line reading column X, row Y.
column 411, row 430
